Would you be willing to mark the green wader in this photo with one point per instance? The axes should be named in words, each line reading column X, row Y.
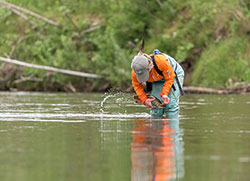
column 171, row 109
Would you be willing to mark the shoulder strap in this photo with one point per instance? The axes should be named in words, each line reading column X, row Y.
column 156, row 67
column 160, row 72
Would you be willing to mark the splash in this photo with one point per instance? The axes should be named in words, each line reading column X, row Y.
column 106, row 97
column 119, row 100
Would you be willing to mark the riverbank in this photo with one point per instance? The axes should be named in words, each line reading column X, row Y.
column 101, row 38
column 240, row 89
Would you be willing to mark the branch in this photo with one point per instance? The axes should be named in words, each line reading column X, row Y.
column 24, row 79
column 53, row 69
column 9, row 5
column 71, row 21
column 21, row 15
column 91, row 29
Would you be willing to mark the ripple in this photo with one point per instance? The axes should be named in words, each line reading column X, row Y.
column 244, row 159
column 64, row 117
column 41, row 120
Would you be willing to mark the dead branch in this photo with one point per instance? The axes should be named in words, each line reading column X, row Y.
column 22, row 16
column 245, row 89
column 91, row 29
column 12, row 6
column 71, row 21
column 24, row 79
column 53, row 69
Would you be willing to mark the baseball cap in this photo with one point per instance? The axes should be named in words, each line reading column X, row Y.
column 140, row 65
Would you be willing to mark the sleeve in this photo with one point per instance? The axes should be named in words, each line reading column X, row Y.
column 138, row 87
column 168, row 73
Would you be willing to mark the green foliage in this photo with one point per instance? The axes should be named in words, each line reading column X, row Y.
column 186, row 30
column 113, row 61
column 220, row 66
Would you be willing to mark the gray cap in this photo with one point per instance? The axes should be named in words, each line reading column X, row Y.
column 140, row 65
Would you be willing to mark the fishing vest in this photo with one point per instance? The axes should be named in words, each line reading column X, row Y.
column 175, row 66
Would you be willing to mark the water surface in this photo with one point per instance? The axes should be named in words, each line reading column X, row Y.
column 59, row 136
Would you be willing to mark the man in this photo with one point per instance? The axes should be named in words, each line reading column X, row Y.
column 166, row 77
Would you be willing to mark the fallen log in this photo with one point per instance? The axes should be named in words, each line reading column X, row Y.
column 191, row 89
column 244, row 89
column 53, row 69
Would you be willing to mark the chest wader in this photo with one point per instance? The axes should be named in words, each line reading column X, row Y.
column 171, row 109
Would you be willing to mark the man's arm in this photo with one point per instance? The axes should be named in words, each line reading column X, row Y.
column 138, row 87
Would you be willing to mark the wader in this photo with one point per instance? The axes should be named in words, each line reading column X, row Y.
column 171, row 109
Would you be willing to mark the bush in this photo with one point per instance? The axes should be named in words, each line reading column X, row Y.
column 223, row 63
column 186, row 30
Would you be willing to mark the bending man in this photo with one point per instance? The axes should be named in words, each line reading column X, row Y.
column 166, row 77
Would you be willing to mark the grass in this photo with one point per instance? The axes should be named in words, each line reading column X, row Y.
column 211, row 36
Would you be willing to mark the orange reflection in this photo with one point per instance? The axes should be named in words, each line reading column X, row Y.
column 153, row 150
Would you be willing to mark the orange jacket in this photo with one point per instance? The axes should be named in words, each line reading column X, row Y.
column 168, row 74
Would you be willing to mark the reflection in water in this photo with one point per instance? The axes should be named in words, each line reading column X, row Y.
column 157, row 150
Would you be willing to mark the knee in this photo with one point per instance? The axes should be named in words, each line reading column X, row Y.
column 172, row 111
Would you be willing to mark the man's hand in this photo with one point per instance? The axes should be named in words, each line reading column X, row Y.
column 148, row 102
column 165, row 99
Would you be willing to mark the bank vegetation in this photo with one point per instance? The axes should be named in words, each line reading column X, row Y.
column 210, row 39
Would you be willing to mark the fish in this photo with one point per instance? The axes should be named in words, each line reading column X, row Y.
column 156, row 103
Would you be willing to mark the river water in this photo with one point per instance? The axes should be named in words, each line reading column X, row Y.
column 106, row 137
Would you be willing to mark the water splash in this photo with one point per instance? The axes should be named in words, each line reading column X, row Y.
column 104, row 100
column 120, row 98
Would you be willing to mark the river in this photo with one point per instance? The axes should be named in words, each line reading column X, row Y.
column 106, row 137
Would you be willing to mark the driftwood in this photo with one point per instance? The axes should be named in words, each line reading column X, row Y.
column 12, row 6
column 243, row 89
column 53, row 69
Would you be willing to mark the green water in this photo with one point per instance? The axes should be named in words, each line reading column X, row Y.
column 51, row 137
